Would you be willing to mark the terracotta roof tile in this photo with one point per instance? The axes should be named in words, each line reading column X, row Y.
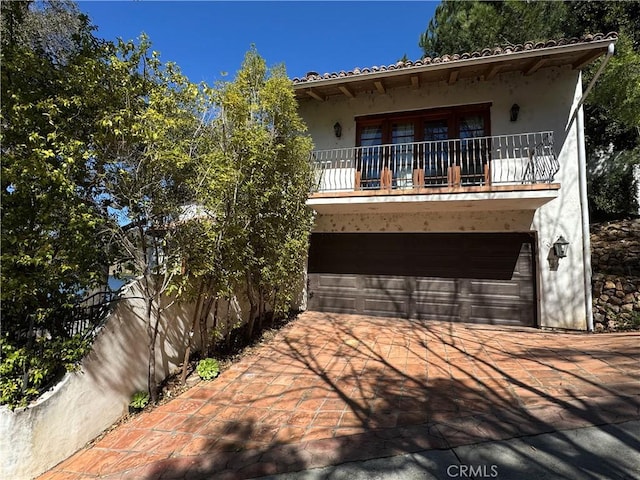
column 486, row 52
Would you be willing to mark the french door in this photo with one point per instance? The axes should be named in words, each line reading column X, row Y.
column 431, row 141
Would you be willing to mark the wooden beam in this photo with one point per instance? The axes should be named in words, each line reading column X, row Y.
column 415, row 82
column 453, row 76
column 346, row 91
column 535, row 65
column 493, row 71
column 585, row 60
column 313, row 94
column 380, row 87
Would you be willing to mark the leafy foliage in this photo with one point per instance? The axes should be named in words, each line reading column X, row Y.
column 139, row 400
column 253, row 184
column 152, row 144
column 96, row 144
column 276, row 179
column 36, row 365
column 52, row 69
column 208, row 368
column 612, row 190
column 467, row 26
column 113, row 159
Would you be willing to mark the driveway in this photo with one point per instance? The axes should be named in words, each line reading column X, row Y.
column 332, row 388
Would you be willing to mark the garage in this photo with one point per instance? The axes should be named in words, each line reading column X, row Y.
column 485, row 278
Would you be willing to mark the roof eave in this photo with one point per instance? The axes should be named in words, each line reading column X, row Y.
column 594, row 45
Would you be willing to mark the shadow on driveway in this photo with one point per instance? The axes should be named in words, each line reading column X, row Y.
column 331, row 389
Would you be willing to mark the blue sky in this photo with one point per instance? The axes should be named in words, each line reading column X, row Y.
column 206, row 38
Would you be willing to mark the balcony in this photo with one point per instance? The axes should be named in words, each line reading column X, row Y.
column 502, row 169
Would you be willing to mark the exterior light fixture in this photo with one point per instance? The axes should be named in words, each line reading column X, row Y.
column 337, row 129
column 513, row 113
column 560, row 247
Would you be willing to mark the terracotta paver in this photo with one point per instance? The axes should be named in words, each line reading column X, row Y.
column 335, row 388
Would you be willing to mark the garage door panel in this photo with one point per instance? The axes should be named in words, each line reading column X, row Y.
column 496, row 315
column 481, row 278
column 387, row 283
column 437, row 311
column 497, row 289
column 415, row 254
column 385, row 307
column 333, row 304
column 435, row 286
column 337, row 281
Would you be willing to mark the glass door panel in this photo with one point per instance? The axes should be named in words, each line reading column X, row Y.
column 369, row 159
column 436, row 150
column 401, row 155
column 473, row 148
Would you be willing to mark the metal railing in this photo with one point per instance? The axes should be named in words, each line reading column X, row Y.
column 525, row 158
column 91, row 312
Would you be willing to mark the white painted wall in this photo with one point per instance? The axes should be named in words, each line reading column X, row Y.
column 440, row 221
column 545, row 99
column 85, row 403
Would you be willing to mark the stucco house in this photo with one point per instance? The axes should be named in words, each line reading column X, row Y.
column 453, row 188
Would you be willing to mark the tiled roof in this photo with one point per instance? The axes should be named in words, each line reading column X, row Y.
column 487, row 52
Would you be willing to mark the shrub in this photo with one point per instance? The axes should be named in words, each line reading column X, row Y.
column 612, row 192
column 139, row 400
column 27, row 369
column 208, row 368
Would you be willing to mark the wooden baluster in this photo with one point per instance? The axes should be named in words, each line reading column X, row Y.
column 454, row 176
column 386, row 178
column 418, row 177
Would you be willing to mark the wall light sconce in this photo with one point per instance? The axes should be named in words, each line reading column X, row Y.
column 337, row 129
column 513, row 113
column 560, row 247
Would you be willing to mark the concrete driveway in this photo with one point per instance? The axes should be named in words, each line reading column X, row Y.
column 331, row 389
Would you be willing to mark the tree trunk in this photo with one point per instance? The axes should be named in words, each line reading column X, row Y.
column 151, row 371
column 216, row 302
column 187, row 352
column 252, row 306
column 25, row 367
column 261, row 308
column 273, row 305
column 227, row 322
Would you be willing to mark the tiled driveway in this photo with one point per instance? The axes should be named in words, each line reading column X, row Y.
column 336, row 388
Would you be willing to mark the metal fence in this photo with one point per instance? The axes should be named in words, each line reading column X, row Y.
column 89, row 314
column 525, row 158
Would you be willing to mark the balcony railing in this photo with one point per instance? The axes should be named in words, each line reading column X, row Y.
column 521, row 159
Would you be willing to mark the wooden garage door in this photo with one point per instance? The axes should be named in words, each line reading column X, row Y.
column 478, row 278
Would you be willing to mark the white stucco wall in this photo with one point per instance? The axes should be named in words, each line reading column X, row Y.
column 86, row 402
column 545, row 99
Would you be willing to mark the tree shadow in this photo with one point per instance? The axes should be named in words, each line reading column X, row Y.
column 337, row 389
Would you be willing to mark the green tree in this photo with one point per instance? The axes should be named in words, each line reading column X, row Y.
column 97, row 140
column 112, row 158
column 266, row 140
column 52, row 68
column 153, row 142
column 259, row 168
column 468, row 26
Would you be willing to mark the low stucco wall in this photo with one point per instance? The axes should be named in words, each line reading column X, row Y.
column 86, row 402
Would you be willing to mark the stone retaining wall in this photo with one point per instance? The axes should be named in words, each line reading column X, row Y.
column 615, row 257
